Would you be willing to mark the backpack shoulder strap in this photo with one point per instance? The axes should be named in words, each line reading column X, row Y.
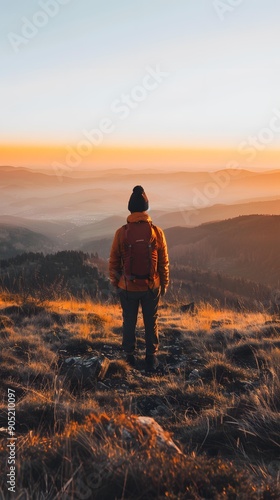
column 121, row 235
column 155, row 234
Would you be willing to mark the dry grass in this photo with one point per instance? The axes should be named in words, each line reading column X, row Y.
column 218, row 397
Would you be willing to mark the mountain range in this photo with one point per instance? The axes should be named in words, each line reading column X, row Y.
column 245, row 246
column 94, row 195
column 235, row 232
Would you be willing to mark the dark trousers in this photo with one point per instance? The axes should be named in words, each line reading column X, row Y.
column 130, row 302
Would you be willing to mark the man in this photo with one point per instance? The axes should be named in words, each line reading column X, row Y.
column 139, row 269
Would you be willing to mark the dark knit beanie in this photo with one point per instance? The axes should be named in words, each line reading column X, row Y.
column 138, row 202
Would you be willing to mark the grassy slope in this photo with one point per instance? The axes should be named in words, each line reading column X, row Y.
column 219, row 399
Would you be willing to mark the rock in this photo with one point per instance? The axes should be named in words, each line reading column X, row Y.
column 194, row 375
column 85, row 371
column 139, row 430
column 162, row 437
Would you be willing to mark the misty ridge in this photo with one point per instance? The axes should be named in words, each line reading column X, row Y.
column 225, row 222
column 83, row 196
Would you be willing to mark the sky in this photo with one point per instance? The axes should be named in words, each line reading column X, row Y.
column 149, row 82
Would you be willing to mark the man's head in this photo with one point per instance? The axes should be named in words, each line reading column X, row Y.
column 138, row 201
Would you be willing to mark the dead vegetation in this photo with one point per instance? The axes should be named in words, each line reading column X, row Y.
column 216, row 399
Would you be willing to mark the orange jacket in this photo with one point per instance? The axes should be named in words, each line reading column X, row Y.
column 116, row 258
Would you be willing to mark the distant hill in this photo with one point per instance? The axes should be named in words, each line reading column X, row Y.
column 101, row 246
column 22, row 178
column 64, row 234
column 80, row 236
column 16, row 240
column 55, row 229
column 85, row 196
column 217, row 212
column 246, row 247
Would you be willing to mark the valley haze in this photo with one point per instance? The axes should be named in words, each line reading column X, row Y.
column 182, row 197
column 81, row 210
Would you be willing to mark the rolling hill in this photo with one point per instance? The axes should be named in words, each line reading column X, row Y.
column 54, row 229
column 246, row 247
column 16, row 240
column 100, row 194
column 217, row 212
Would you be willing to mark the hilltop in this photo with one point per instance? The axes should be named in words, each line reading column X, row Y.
column 247, row 247
column 216, row 402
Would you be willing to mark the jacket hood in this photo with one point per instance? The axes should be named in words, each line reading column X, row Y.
column 138, row 216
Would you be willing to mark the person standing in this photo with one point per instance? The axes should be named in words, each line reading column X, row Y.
column 139, row 270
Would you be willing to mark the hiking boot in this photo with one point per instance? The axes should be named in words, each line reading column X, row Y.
column 152, row 363
column 130, row 359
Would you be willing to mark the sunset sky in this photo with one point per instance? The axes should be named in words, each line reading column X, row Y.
column 150, row 83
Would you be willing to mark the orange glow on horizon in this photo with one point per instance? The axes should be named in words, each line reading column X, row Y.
column 134, row 157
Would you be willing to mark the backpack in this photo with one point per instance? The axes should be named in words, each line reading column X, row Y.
column 140, row 256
